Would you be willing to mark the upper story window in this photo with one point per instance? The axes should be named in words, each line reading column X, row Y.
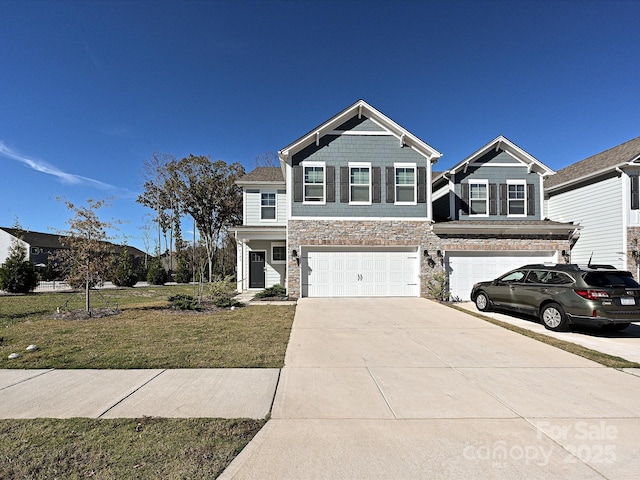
column 268, row 206
column 314, row 183
column 360, row 183
column 405, row 184
column 479, row 197
column 516, row 197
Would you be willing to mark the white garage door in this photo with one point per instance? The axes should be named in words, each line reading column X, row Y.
column 361, row 272
column 467, row 268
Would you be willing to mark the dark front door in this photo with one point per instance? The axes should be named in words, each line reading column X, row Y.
column 256, row 269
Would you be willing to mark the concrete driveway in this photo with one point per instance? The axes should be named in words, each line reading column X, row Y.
column 624, row 344
column 408, row 388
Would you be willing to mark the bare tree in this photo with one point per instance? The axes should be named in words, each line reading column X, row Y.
column 88, row 256
column 157, row 196
column 267, row 159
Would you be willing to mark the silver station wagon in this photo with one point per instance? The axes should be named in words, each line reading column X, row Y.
column 561, row 295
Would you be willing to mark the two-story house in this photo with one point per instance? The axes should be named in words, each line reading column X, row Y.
column 353, row 211
column 602, row 194
column 489, row 212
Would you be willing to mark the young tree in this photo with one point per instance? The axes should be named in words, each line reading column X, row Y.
column 125, row 274
column 207, row 191
column 17, row 274
column 88, row 256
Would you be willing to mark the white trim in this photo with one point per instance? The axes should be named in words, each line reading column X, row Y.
column 517, row 215
column 415, row 182
column 509, row 147
column 275, row 206
column 486, row 184
column 306, row 164
column 520, row 164
column 362, row 219
column 366, row 165
column 279, row 244
column 361, row 132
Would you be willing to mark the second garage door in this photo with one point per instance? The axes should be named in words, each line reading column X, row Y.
column 467, row 268
column 361, row 272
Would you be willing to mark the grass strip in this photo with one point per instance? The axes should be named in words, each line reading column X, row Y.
column 598, row 357
column 146, row 448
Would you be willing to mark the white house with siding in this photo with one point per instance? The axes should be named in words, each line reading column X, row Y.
column 601, row 194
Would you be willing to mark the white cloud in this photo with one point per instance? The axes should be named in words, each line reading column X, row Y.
column 44, row 167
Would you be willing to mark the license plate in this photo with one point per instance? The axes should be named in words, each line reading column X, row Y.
column 627, row 301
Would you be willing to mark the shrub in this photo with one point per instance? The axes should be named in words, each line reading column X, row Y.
column 183, row 273
column 183, row 302
column 222, row 288
column 18, row 275
column 157, row 275
column 125, row 275
column 226, row 302
column 438, row 286
column 275, row 291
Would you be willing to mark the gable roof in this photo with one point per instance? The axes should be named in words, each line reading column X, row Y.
column 35, row 239
column 506, row 145
column 52, row 240
column 360, row 108
column 602, row 162
column 262, row 175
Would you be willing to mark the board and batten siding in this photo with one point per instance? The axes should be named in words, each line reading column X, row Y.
column 597, row 208
column 252, row 207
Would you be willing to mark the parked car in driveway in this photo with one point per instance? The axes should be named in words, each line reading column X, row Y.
column 564, row 294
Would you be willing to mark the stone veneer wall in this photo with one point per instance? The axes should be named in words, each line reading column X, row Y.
column 507, row 244
column 370, row 233
column 633, row 244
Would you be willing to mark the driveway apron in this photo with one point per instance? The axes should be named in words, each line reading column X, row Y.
column 407, row 388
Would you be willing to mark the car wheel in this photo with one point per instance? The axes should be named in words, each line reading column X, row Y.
column 482, row 302
column 615, row 327
column 553, row 317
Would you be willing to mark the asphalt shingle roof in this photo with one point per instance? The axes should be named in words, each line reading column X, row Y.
column 603, row 161
column 263, row 174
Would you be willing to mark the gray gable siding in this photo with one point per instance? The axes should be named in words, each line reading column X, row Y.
column 379, row 150
column 496, row 175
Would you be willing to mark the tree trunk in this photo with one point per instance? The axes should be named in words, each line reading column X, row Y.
column 86, row 293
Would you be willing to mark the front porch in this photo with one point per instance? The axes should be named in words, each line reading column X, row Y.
column 261, row 257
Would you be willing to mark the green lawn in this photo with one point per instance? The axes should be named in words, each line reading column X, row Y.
column 147, row 448
column 146, row 334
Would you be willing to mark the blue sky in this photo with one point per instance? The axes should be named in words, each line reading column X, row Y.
column 90, row 90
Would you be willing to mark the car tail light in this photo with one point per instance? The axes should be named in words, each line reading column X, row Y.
column 592, row 294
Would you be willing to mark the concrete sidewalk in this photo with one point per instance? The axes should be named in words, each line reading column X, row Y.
column 186, row 393
column 408, row 388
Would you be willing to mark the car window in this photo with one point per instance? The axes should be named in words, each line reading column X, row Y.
column 558, row 278
column 536, row 276
column 513, row 277
column 610, row 279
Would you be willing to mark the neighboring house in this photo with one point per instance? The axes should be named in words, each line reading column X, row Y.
column 489, row 211
column 261, row 240
column 601, row 193
column 41, row 247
